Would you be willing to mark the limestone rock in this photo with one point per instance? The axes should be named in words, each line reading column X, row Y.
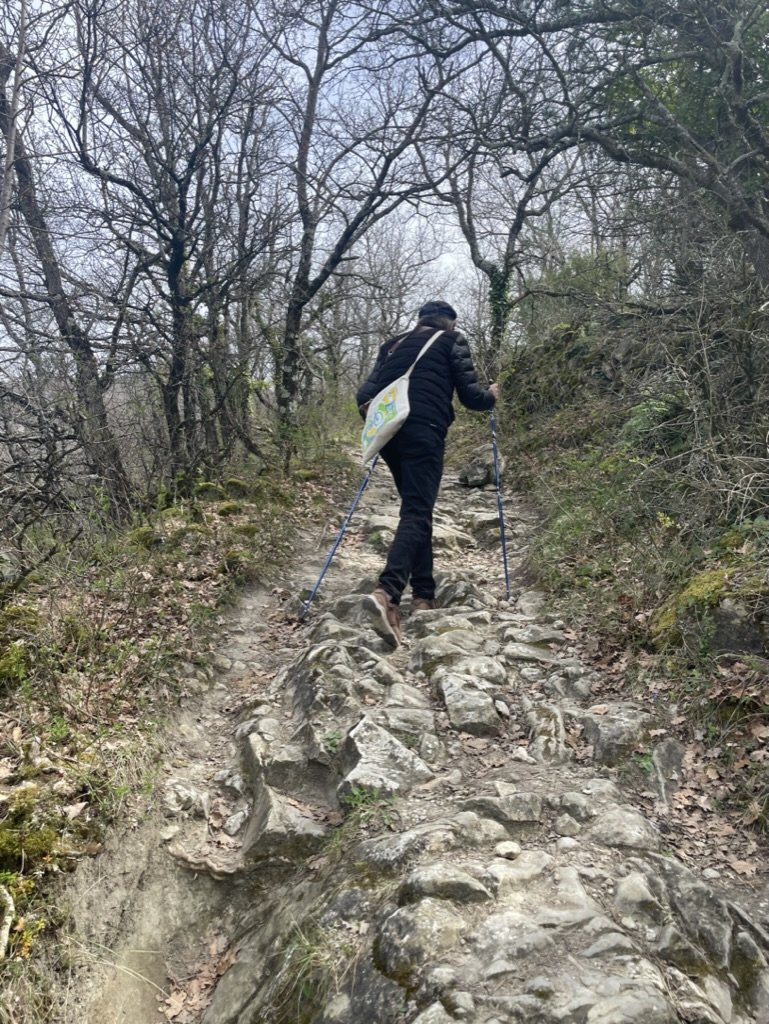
column 547, row 732
column 477, row 830
column 532, row 633
column 675, row 949
column 634, row 897
column 701, row 913
column 402, row 695
column 577, row 806
column 614, row 735
column 625, row 827
column 636, row 1006
column 479, row 471
column 514, row 652
column 531, row 602
column 667, row 760
column 469, row 709
column 484, row 669
column 484, row 526
column 442, row 881
column 565, row 825
column 412, row 723
column 506, row 876
column 181, row 798
column 459, row 592
column 445, row 649
column 374, row 760
column 434, row 1014
column 515, row 810
column 413, row 935
column 611, row 944
column 389, row 852
column 509, row 935
column 278, row 827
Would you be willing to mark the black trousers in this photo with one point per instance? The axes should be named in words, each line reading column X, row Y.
column 415, row 459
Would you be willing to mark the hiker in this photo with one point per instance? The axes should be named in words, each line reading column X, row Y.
column 414, row 456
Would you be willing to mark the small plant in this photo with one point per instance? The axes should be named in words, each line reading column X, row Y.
column 366, row 805
column 332, row 741
column 315, row 964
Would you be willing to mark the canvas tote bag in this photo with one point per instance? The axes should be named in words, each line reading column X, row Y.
column 388, row 410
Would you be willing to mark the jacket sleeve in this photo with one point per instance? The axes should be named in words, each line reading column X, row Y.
column 470, row 392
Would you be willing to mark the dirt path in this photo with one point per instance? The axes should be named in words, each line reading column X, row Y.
column 196, row 910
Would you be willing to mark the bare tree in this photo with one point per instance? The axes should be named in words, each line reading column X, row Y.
column 100, row 447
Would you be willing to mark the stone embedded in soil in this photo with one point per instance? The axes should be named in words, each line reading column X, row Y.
column 615, row 735
column 625, row 827
column 506, row 876
column 636, row 1006
column 509, row 935
column 182, row 798
column 414, row 934
column 434, row 1014
column 514, row 809
column 442, row 881
column 469, row 709
column 532, row 633
column 531, row 602
column 514, row 652
column 633, row 896
column 446, row 648
column 277, row 826
column 413, row 723
column 459, row 592
column 667, row 761
column 611, row 944
column 375, row 761
column 547, row 733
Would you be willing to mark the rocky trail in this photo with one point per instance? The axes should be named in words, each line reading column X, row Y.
column 345, row 835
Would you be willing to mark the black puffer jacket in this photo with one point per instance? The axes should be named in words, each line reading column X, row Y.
column 446, row 365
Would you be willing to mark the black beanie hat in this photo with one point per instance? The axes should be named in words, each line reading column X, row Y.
column 438, row 308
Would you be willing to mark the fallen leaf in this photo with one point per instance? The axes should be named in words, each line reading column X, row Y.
column 599, row 709
column 476, row 743
column 743, row 867
column 74, row 810
column 175, row 1004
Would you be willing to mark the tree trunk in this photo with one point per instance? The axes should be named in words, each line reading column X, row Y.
column 100, row 447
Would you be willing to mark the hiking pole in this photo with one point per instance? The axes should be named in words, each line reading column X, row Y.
column 338, row 541
column 499, row 501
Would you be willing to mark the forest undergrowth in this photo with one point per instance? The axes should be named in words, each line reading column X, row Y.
column 96, row 650
column 654, row 540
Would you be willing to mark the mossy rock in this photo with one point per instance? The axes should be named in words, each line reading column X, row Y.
column 18, row 625
column 25, row 838
column 145, row 537
column 235, row 487
column 239, row 564
column 247, row 529
column 191, row 538
column 721, row 609
column 209, row 491
column 230, row 508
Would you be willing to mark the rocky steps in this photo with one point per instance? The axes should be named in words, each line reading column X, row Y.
column 348, row 835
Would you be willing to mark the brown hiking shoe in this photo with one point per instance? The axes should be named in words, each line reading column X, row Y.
column 385, row 616
column 423, row 604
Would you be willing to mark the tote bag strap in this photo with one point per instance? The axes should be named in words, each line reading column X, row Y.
column 424, row 348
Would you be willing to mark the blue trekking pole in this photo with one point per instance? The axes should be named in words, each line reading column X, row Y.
column 499, row 501
column 338, row 541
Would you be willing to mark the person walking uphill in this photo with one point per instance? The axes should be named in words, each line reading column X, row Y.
column 415, row 454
